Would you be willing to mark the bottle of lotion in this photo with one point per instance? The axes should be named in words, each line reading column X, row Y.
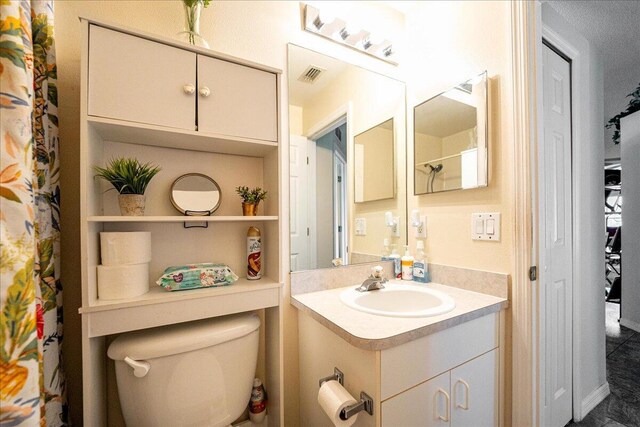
column 254, row 254
column 407, row 264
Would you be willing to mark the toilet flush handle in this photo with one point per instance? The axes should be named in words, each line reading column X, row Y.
column 140, row 368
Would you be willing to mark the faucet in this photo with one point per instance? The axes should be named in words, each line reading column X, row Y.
column 374, row 282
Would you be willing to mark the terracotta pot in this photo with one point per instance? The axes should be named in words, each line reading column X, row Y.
column 249, row 209
column 132, row 204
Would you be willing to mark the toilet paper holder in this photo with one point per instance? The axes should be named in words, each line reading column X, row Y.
column 365, row 404
column 337, row 375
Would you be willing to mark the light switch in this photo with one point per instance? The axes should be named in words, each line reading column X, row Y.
column 361, row 226
column 491, row 224
column 485, row 226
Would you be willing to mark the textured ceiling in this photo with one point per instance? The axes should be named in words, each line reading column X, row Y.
column 613, row 27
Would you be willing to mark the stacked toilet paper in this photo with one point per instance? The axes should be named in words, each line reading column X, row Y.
column 124, row 272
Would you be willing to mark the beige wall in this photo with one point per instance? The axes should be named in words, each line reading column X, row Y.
column 463, row 39
column 254, row 30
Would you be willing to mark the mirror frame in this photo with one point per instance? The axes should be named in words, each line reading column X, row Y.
column 393, row 159
column 183, row 211
column 485, row 74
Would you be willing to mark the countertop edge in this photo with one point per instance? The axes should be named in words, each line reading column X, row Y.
column 395, row 340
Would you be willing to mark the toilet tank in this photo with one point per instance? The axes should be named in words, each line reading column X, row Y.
column 190, row 374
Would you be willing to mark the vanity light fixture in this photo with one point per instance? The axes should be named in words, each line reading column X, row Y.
column 323, row 23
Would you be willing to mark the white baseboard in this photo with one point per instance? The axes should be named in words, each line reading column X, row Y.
column 594, row 398
column 630, row 324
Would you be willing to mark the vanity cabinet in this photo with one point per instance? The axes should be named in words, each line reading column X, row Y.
column 139, row 80
column 449, row 378
column 462, row 397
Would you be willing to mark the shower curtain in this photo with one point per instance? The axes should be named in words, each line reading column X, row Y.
column 32, row 386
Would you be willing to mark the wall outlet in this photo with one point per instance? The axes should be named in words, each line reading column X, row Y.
column 421, row 230
column 361, row 226
column 485, row 226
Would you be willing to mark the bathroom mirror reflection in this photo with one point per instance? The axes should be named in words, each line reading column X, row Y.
column 348, row 144
column 450, row 139
column 374, row 163
column 195, row 194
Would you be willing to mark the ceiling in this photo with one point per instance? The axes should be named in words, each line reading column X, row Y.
column 442, row 117
column 613, row 27
column 299, row 59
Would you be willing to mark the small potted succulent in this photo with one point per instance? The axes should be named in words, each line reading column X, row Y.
column 251, row 199
column 130, row 178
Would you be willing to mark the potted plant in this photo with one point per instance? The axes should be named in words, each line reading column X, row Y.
column 130, row 178
column 251, row 199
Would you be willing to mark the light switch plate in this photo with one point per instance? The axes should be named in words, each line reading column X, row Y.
column 485, row 226
column 361, row 226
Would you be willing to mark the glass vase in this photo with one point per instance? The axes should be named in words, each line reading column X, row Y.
column 191, row 32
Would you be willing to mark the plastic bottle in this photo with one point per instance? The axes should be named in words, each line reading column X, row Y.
column 257, row 402
column 385, row 250
column 254, row 254
column 420, row 265
column 395, row 257
column 407, row 264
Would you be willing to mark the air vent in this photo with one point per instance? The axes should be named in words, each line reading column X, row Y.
column 311, row 74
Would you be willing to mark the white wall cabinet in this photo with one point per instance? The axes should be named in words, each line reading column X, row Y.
column 143, row 97
column 138, row 80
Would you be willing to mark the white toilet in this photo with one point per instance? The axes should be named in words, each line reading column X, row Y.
column 191, row 374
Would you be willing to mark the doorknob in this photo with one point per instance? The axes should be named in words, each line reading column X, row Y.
column 189, row 89
column 205, row 91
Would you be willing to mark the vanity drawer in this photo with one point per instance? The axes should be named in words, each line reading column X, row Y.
column 417, row 361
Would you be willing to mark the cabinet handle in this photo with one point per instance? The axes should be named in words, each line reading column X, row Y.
column 189, row 89
column 464, row 406
column 448, row 407
column 205, row 91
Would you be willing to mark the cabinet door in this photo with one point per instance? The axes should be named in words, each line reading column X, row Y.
column 236, row 100
column 138, row 80
column 425, row 405
column 474, row 399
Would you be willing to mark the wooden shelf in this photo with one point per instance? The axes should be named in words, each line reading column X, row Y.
column 178, row 219
column 159, row 307
column 159, row 136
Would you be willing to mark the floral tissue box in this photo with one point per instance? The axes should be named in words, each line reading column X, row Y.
column 195, row 276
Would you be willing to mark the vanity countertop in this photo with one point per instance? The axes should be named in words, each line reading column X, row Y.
column 373, row 332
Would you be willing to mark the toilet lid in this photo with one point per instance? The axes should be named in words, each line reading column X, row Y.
column 183, row 337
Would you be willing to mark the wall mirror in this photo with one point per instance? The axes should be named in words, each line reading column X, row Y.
column 450, row 139
column 195, row 194
column 348, row 159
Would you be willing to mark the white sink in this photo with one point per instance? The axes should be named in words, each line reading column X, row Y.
column 399, row 299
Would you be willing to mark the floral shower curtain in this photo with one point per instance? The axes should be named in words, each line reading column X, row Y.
column 32, row 386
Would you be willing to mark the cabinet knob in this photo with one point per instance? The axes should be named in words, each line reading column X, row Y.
column 189, row 89
column 205, row 91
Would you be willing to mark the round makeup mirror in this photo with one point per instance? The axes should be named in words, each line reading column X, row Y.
column 195, row 194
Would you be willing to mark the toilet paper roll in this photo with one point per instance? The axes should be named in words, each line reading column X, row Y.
column 124, row 248
column 333, row 397
column 122, row 281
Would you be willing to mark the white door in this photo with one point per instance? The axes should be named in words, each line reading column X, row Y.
column 134, row 79
column 299, row 179
column 425, row 405
column 340, row 207
column 474, row 401
column 242, row 100
column 556, row 245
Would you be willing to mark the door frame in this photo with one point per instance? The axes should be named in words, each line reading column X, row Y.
column 528, row 31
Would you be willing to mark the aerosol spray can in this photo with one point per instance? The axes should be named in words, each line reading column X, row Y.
column 254, row 254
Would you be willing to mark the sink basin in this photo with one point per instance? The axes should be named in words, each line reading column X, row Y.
column 399, row 300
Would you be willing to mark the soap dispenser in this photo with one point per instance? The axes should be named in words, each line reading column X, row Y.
column 420, row 265
column 395, row 257
column 407, row 264
column 385, row 250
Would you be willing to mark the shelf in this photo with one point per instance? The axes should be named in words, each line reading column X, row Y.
column 178, row 219
column 439, row 159
column 159, row 307
column 159, row 136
